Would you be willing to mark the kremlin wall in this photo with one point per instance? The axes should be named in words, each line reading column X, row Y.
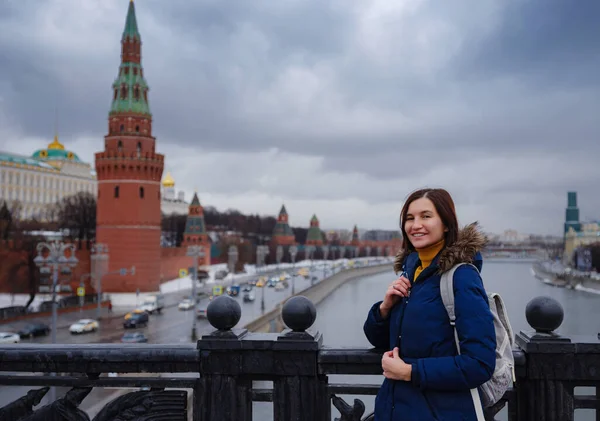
column 130, row 193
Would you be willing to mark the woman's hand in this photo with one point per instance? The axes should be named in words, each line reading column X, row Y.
column 394, row 367
column 397, row 289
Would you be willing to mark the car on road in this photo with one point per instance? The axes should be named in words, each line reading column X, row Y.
column 233, row 291
column 84, row 326
column 136, row 311
column 154, row 303
column 34, row 329
column 137, row 320
column 186, row 304
column 134, row 337
column 201, row 308
column 9, row 338
column 249, row 296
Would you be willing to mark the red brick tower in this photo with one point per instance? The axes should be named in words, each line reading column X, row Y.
column 355, row 239
column 129, row 173
column 282, row 233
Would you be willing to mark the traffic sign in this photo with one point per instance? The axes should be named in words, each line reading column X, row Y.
column 80, row 291
column 183, row 273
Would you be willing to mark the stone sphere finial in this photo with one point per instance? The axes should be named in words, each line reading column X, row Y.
column 299, row 313
column 544, row 314
column 223, row 312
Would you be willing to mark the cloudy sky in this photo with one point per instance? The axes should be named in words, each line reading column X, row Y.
column 333, row 107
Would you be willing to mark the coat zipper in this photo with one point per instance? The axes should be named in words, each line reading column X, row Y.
column 399, row 342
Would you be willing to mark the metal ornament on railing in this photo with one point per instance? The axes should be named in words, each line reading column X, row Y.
column 350, row 413
column 161, row 404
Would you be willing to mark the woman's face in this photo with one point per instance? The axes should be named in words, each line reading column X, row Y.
column 423, row 225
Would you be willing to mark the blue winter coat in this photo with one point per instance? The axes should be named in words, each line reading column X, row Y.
column 419, row 326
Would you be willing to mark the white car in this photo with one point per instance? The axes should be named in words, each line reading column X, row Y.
column 186, row 304
column 9, row 338
column 83, row 326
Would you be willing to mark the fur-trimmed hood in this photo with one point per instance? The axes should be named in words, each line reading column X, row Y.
column 470, row 241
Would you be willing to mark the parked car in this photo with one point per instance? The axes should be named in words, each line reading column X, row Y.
column 137, row 320
column 9, row 338
column 34, row 329
column 186, row 304
column 84, row 326
column 134, row 337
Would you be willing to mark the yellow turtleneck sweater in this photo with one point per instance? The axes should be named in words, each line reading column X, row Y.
column 426, row 256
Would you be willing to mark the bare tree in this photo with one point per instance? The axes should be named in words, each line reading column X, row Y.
column 173, row 227
column 77, row 213
column 6, row 221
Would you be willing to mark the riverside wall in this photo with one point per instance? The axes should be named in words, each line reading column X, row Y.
column 272, row 322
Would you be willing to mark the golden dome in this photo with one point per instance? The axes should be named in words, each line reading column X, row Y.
column 56, row 144
column 168, row 181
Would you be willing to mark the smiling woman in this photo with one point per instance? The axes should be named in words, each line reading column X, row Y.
column 427, row 378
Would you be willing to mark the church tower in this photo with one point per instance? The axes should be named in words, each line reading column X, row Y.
column 129, row 172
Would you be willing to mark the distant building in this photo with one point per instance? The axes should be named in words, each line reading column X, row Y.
column 572, row 213
column 577, row 233
column 43, row 179
column 381, row 235
column 513, row 236
column 170, row 204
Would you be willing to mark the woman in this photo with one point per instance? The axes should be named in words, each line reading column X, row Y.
column 425, row 377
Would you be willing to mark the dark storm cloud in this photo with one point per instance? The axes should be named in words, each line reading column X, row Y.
column 453, row 80
column 552, row 44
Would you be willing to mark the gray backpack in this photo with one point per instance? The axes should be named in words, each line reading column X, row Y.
column 493, row 390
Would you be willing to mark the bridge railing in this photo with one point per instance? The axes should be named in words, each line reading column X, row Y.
column 222, row 368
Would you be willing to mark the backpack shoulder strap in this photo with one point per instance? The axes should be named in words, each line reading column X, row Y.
column 447, row 292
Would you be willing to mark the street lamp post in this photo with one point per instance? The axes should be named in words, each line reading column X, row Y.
column 55, row 256
column 343, row 255
column 195, row 252
column 279, row 255
column 293, row 252
column 232, row 254
column 333, row 250
column 100, row 260
column 261, row 253
column 309, row 250
column 325, row 254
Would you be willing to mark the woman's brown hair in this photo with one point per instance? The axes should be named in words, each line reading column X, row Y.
column 444, row 206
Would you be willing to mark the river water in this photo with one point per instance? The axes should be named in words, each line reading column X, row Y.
column 340, row 317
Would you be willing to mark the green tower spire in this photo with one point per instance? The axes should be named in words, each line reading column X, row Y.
column 130, row 90
column 131, row 28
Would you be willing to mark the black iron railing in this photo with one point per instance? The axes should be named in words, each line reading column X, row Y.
column 221, row 368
